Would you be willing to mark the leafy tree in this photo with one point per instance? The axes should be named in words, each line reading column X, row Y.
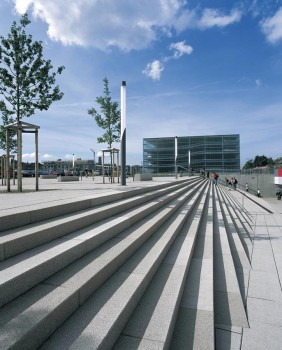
column 109, row 118
column 259, row 161
column 26, row 79
column 271, row 162
column 7, row 119
column 278, row 162
column 249, row 164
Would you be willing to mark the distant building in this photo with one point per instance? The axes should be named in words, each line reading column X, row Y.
column 67, row 165
column 80, row 164
column 220, row 153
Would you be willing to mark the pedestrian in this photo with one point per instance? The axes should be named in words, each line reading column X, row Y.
column 232, row 183
column 247, row 187
column 278, row 194
column 216, row 176
column 213, row 177
column 235, row 183
column 258, row 193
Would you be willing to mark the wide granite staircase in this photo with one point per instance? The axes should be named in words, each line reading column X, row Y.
column 158, row 267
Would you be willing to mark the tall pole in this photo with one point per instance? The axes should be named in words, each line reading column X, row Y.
column 93, row 158
column 176, row 157
column 13, row 156
column 123, row 132
column 8, row 160
column 36, row 161
column 189, row 163
column 19, row 165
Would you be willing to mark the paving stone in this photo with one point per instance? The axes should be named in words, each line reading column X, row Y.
column 130, row 343
column 226, row 339
column 37, row 317
column 262, row 337
column 265, row 285
column 229, row 310
column 264, row 312
column 197, row 293
column 194, row 330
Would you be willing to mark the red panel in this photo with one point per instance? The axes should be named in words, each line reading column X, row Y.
column 279, row 172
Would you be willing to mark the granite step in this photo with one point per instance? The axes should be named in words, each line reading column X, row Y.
column 22, row 215
column 18, row 240
column 22, row 272
column 194, row 327
column 124, row 291
column 229, row 305
column 48, row 305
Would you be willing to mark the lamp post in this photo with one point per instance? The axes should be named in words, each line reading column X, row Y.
column 189, row 172
column 14, row 175
column 94, row 164
column 123, row 132
column 176, row 175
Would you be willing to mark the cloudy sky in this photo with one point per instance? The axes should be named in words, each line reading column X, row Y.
column 192, row 67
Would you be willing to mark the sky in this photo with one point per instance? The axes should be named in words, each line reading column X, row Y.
column 192, row 68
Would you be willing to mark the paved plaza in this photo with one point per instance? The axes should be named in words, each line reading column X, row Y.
column 264, row 291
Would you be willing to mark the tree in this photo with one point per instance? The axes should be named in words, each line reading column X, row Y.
column 7, row 119
column 249, row 164
column 259, row 161
column 278, row 162
column 26, row 79
column 109, row 119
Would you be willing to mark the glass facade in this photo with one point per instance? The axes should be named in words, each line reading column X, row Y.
column 220, row 153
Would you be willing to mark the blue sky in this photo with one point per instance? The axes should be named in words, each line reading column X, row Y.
column 206, row 67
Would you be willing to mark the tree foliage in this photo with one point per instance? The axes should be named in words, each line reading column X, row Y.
column 109, row 117
column 259, row 161
column 27, row 80
column 249, row 164
column 278, row 162
column 7, row 119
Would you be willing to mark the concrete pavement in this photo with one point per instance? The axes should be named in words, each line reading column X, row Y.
column 51, row 190
column 264, row 292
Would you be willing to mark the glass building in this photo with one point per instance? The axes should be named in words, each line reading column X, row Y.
column 220, row 153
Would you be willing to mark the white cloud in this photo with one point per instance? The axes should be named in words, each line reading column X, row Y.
column 125, row 24
column 258, row 82
column 272, row 27
column 28, row 157
column 153, row 70
column 180, row 49
column 47, row 156
column 214, row 18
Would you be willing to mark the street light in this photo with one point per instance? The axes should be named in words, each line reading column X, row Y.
column 176, row 157
column 94, row 158
column 123, row 132
column 189, row 163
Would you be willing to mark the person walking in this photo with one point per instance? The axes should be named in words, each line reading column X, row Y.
column 235, row 183
column 247, row 187
column 232, row 183
column 258, row 193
